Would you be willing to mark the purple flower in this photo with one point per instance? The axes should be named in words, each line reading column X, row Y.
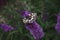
column 24, row 13
column 34, row 28
column 57, row 27
column 6, row 27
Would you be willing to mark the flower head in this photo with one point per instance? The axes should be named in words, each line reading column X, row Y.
column 34, row 28
column 6, row 27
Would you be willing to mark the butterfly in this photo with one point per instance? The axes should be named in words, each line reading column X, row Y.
column 30, row 18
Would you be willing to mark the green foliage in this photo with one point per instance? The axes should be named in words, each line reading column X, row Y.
column 13, row 18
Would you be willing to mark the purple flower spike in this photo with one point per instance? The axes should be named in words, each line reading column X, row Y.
column 6, row 27
column 34, row 28
column 57, row 27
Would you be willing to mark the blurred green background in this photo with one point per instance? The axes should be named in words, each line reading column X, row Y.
column 11, row 12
